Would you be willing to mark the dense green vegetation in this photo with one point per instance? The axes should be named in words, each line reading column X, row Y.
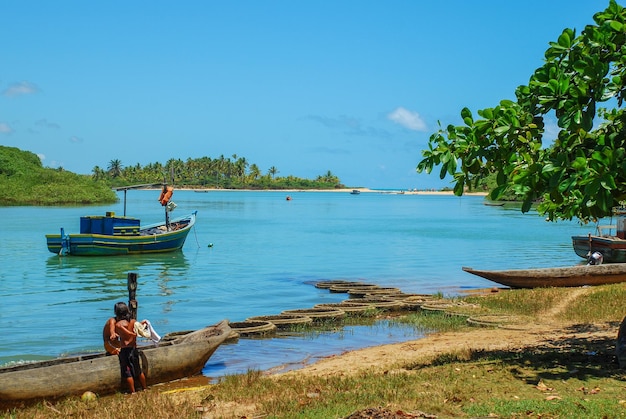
column 205, row 172
column 24, row 181
column 580, row 174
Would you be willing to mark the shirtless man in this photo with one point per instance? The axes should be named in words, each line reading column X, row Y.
column 111, row 338
column 130, row 367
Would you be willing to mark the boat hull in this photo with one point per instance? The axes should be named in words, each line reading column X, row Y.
column 101, row 374
column 110, row 245
column 569, row 276
column 613, row 248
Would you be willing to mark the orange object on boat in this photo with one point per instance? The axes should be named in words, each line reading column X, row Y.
column 166, row 195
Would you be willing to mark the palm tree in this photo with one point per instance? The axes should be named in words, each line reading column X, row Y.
column 97, row 173
column 240, row 168
column 255, row 172
column 115, row 168
column 272, row 171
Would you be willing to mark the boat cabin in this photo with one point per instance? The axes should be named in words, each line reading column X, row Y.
column 109, row 225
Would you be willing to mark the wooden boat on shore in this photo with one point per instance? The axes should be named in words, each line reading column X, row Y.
column 612, row 247
column 610, row 240
column 113, row 235
column 181, row 357
column 567, row 276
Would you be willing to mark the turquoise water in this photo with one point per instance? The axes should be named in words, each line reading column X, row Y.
column 255, row 253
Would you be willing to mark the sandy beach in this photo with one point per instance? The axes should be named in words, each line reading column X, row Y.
column 344, row 190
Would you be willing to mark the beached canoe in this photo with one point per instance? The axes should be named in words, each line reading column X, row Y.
column 170, row 360
column 568, row 276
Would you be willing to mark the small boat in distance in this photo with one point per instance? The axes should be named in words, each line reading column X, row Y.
column 172, row 359
column 567, row 276
column 111, row 235
column 355, row 192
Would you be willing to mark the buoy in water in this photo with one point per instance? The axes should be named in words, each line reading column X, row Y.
column 210, row 245
column 288, row 198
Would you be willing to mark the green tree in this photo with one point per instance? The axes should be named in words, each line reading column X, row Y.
column 97, row 173
column 115, row 168
column 255, row 172
column 582, row 173
column 272, row 171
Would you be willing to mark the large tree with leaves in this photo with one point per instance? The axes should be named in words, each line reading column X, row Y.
column 582, row 173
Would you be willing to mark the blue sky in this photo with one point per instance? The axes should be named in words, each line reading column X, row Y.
column 354, row 87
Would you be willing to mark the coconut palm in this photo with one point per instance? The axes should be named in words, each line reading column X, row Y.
column 115, row 168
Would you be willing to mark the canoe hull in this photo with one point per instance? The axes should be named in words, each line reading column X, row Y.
column 569, row 276
column 101, row 374
column 111, row 245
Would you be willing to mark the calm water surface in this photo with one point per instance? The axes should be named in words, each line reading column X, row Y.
column 255, row 253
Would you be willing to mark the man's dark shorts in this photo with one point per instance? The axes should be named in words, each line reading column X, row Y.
column 129, row 362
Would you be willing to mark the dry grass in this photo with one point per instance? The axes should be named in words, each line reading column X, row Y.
column 570, row 372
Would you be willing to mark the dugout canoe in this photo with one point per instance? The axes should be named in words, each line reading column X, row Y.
column 170, row 360
column 567, row 276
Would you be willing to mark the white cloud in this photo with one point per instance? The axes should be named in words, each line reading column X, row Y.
column 75, row 139
column 20, row 89
column 47, row 124
column 5, row 128
column 408, row 119
column 41, row 156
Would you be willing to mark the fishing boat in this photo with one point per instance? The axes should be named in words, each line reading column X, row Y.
column 567, row 276
column 609, row 240
column 110, row 234
column 170, row 360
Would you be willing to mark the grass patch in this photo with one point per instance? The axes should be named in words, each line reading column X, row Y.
column 522, row 302
column 604, row 303
column 570, row 374
column 426, row 322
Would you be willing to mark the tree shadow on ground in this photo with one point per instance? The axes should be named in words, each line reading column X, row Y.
column 570, row 352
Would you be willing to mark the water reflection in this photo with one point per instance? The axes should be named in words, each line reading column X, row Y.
column 288, row 351
column 114, row 267
column 105, row 277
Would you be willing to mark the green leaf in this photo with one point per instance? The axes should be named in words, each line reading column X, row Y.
column 502, row 130
column 565, row 40
column 466, row 114
column 579, row 163
column 458, row 188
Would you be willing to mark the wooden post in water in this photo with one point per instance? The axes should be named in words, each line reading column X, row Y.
column 132, row 294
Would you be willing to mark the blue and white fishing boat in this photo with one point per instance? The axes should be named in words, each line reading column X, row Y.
column 110, row 235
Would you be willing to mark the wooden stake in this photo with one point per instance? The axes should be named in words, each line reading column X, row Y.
column 132, row 294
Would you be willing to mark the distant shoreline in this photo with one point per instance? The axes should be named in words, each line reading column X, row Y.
column 342, row 190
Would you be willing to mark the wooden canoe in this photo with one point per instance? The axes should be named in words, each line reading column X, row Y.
column 567, row 276
column 170, row 360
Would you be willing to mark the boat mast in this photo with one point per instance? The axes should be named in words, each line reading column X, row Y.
column 126, row 188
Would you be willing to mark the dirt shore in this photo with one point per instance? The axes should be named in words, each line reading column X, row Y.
column 547, row 332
